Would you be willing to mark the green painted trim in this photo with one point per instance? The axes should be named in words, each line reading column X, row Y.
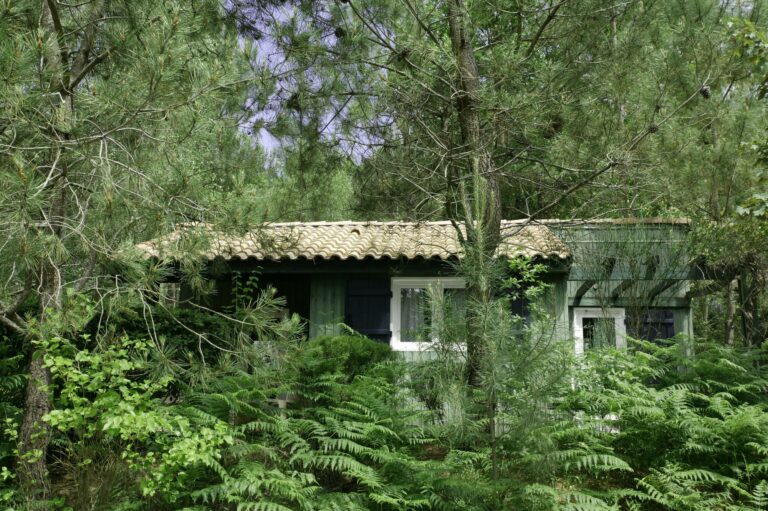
column 563, row 313
column 658, row 302
column 383, row 266
column 619, row 274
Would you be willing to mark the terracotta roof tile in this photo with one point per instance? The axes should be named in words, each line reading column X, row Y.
column 354, row 240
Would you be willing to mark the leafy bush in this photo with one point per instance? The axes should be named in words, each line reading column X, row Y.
column 12, row 383
column 115, row 431
column 347, row 355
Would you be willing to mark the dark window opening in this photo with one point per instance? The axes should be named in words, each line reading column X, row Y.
column 599, row 333
column 651, row 324
column 519, row 307
column 294, row 289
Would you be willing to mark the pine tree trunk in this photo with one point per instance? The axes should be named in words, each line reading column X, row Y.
column 478, row 188
column 480, row 205
column 35, row 433
column 730, row 299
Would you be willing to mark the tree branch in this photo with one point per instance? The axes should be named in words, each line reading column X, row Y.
column 423, row 26
column 59, row 29
column 543, row 27
column 88, row 67
column 16, row 327
column 81, row 66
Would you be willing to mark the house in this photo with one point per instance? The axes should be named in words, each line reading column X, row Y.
column 608, row 278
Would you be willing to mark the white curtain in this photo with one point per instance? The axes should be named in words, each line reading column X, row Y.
column 413, row 301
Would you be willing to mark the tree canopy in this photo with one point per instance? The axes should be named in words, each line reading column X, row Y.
column 122, row 121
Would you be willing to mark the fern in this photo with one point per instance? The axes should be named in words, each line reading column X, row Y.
column 760, row 495
column 696, row 437
column 340, row 445
column 600, row 463
column 578, row 501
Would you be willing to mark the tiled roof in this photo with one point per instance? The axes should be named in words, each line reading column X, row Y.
column 351, row 240
column 628, row 221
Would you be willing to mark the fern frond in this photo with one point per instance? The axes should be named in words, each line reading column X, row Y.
column 599, row 463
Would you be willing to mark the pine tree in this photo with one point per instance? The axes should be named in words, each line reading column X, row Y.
column 112, row 114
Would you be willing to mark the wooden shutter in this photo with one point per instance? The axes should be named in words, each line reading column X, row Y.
column 367, row 306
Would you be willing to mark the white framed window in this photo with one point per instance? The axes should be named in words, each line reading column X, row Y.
column 410, row 310
column 597, row 327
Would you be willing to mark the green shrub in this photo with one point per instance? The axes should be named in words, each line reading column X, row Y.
column 12, row 384
column 347, row 355
column 351, row 445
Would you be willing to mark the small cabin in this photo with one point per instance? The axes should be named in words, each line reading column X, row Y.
column 608, row 279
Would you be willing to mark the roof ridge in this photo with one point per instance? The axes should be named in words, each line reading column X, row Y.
column 356, row 222
column 617, row 221
column 525, row 221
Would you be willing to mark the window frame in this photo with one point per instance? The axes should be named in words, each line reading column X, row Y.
column 400, row 283
column 618, row 314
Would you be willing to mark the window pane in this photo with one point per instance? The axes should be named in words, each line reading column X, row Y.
column 599, row 333
column 413, row 314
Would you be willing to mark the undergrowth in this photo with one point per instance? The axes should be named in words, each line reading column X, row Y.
column 342, row 424
column 676, row 427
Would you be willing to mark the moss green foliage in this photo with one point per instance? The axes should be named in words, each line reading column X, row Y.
column 345, row 355
column 340, row 423
column 12, row 382
column 678, row 427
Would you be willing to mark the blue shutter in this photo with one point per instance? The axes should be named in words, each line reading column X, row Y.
column 367, row 306
column 655, row 324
